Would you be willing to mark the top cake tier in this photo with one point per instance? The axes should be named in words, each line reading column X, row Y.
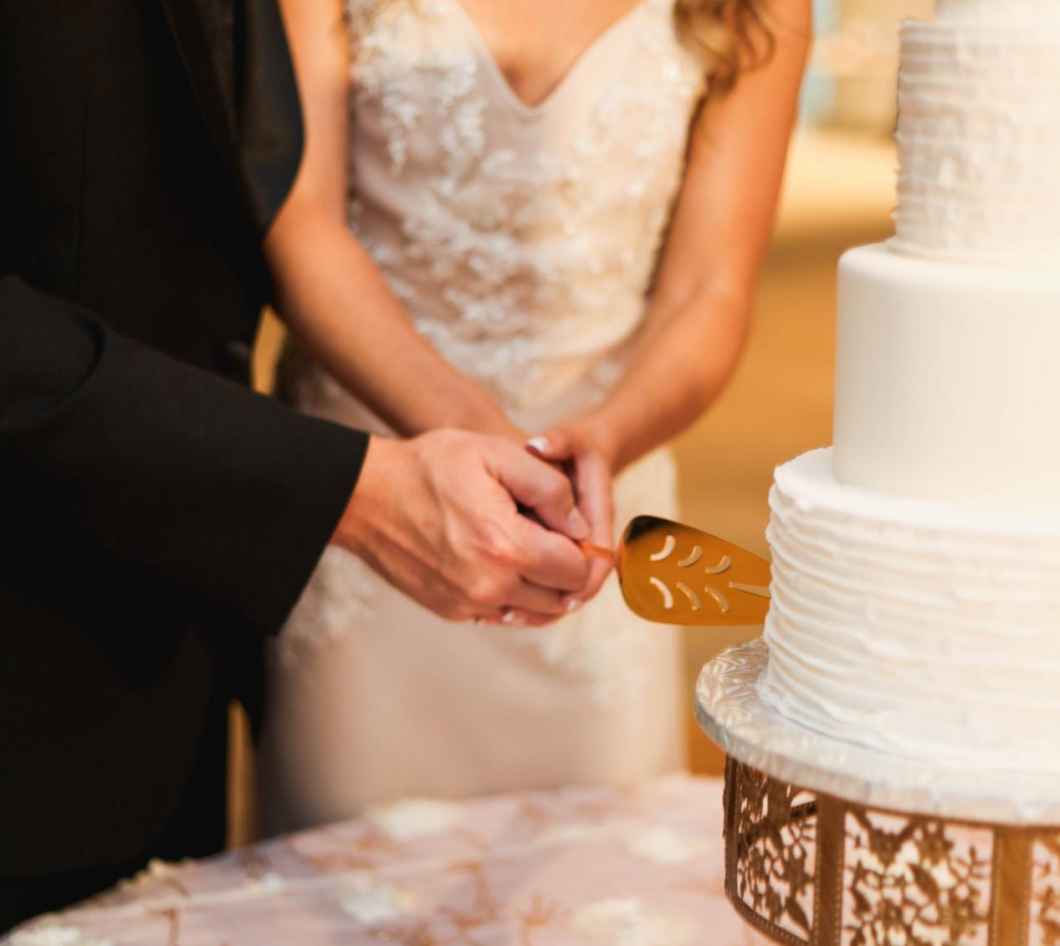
column 996, row 12
column 979, row 134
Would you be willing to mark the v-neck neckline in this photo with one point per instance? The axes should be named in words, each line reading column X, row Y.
column 565, row 80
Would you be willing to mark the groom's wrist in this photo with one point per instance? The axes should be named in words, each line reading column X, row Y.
column 351, row 531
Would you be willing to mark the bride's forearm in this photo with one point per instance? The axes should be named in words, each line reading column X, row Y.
column 329, row 290
column 679, row 366
column 715, row 246
column 333, row 297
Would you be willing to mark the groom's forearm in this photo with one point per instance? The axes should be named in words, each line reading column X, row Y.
column 111, row 447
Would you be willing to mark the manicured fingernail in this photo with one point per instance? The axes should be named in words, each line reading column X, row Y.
column 573, row 604
column 577, row 526
column 538, row 444
column 512, row 619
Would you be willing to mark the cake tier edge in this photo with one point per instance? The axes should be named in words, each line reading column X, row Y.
column 731, row 711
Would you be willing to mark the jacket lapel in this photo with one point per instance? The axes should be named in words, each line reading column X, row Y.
column 270, row 112
column 236, row 55
column 197, row 42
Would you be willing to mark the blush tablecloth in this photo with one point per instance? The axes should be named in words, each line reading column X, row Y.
column 573, row 867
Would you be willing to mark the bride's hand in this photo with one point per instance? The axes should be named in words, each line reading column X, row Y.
column 588, row 463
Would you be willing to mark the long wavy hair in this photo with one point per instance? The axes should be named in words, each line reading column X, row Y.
column 730, row 36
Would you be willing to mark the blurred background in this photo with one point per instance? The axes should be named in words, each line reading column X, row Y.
column 839, row 192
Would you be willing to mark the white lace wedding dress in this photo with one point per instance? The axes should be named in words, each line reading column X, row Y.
column 522, row 240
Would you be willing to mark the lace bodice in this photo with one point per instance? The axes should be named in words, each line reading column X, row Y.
column 522, row 239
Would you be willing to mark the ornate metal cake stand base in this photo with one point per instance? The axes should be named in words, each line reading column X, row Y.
column 808, row 867
column 805, row 868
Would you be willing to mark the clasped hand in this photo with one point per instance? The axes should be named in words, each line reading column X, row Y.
column 438, row 516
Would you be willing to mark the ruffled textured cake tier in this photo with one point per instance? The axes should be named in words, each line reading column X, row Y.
column 994, row 13
column 922, row 629
column 979, row 135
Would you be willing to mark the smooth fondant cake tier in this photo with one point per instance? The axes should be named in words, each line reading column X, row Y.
column 947, row 377
column 921, row 629
column 979, row 140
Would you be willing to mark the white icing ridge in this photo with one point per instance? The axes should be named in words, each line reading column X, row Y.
column 979, row 135
column 915, row 628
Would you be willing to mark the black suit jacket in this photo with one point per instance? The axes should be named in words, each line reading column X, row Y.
column 157, row 519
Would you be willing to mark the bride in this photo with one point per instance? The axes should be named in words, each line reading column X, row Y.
column 548, row 219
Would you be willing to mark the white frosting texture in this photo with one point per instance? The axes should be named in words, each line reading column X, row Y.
column 942, row 374
column 996, row 13
column 914, row 628
column 979, row 134
column 916, row 568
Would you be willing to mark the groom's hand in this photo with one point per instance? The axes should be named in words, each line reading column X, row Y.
column 438, row 517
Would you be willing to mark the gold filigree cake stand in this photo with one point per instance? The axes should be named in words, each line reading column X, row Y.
column 829, row 844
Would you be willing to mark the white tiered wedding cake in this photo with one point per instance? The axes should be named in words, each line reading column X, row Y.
column 916, row 565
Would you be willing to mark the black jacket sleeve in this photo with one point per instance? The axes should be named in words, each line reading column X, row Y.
column 220, row 493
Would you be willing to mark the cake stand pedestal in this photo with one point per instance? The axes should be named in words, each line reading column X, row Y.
column 829, row 844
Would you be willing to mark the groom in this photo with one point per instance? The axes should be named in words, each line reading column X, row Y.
column 158, row 519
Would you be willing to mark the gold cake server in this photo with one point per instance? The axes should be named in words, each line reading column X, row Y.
column 673, row 574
